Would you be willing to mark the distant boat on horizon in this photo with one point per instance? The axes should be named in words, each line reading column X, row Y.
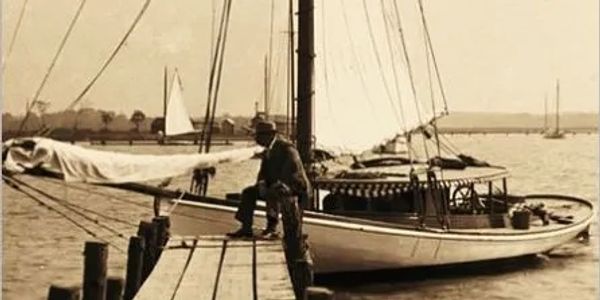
column 554, row 133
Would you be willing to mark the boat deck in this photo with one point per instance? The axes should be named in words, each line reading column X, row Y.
column 576, row 212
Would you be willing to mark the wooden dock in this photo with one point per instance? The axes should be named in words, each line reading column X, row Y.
column 215, row 267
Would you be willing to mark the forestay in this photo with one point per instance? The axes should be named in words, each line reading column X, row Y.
column 79, row 164
column 363, row 88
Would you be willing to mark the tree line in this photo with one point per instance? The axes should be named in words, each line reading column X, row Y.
column 87, row 119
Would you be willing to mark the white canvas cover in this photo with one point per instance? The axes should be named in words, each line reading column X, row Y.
column 79, row 164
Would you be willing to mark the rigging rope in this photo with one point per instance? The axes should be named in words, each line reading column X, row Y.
column 62, row 203
column 110, row 196
column 432, row 98
column 379, row 64
column 396, row 84
column 124, row 200
column 52, row 64
column 355, row 57
column 411, row 75
column 268, row 90
column 219, row 73
column 214, row 53
column 273, row 88
column 326, row 74
column 204, row 139
column 435, row 64
column 15, row 34
column 110, row 58
column 77, row 224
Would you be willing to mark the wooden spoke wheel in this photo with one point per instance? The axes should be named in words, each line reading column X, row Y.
column 466, row 200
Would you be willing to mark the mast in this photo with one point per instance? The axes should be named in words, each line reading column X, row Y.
column 165, row 83
column 266, row 83
column 557, row 101
column 291, row 86
column 545, row 112
column 305, row 78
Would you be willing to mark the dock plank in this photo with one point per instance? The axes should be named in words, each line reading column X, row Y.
column 200, row 277
column 272, row 277
column 215, row 267
column 162, row 282
column 236, row 278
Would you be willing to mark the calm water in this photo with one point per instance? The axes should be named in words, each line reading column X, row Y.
column 40, row 247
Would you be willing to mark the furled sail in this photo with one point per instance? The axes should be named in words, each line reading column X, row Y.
column 373, row 73
column 79, row 164
column 177, row 119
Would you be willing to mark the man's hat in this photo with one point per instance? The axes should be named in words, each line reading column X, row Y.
column 265, row 127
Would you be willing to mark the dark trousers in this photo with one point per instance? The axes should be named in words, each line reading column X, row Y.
column 245, row 211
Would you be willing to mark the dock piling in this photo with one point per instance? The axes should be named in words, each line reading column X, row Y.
column 163, row 224
column 114, row 288
column 64, row 292
column 94, row 270
column 135, row 260
column 147, row 230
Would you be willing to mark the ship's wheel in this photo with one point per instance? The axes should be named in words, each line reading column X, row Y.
column 466, row 200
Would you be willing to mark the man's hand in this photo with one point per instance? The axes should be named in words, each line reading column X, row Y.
column 281, row 188
column 262, row 188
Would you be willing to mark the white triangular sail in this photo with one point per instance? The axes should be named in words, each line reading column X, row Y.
column 177, row 119
column 363, row 90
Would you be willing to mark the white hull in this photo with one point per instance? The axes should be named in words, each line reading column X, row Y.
column 339, row 246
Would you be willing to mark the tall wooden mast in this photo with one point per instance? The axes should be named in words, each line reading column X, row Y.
column 165, row 95
column 557, row 101
column 545, row 112
column 306, row 54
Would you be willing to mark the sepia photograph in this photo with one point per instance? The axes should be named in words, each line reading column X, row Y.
column 300, row 149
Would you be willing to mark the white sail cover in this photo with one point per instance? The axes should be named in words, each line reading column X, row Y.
column 177, row 119
column 79, row 164
column 363, row 89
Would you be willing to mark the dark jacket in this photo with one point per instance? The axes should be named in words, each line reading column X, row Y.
column 282, row 163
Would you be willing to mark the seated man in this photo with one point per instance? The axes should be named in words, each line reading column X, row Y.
column 281, row 175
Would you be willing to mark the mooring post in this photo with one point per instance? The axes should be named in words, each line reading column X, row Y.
column 114, row 288
column 94, row 270
column 147, row 230
column 163, row 224
column 303, row 276
column 295, row 248
column 64, row 292
column 135, row 260
column 291, row 228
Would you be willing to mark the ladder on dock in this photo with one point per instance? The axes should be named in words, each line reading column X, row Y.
column 215, row 267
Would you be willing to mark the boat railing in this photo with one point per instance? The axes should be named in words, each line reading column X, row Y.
column 459, row 206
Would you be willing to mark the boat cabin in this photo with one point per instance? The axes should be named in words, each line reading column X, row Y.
column 472, row 198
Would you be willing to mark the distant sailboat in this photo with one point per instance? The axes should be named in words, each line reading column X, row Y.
column 177, row 118
column 556, row 133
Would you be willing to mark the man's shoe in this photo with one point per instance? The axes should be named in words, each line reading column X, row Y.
column 269, row 234
column 241, row 233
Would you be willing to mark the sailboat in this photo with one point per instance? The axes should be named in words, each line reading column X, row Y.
column 177, row 121
column 418, row 211
column 555, row 133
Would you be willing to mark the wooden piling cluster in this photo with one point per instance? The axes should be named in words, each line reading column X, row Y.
column 143, row 253
column 270, row 269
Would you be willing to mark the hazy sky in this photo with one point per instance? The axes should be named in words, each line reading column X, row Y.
column 494, row 55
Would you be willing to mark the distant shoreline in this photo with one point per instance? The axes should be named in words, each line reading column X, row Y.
column 151, row 138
